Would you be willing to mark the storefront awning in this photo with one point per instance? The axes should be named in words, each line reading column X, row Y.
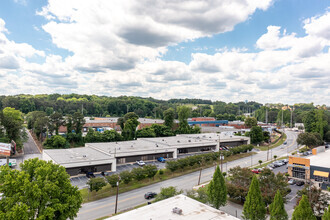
column 320, row 173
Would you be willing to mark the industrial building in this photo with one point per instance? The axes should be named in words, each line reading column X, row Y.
column 315, row 167
column 98, row 157
column 177, row 207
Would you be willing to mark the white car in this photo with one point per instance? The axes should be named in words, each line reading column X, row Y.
column 140, row 163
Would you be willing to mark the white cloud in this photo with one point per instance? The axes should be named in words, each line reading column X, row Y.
column 117, row 47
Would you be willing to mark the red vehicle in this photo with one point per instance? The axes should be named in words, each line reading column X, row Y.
column 256, row 170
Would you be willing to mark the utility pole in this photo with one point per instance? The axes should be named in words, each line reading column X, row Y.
column 266, row 116
column 117, row 194
column 251, row 160
column 291, row 117
column 221, row 158
column 282, row 119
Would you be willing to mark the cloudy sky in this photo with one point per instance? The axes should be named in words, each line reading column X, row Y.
column 229, row 50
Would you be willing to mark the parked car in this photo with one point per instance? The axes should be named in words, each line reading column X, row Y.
column 161, row 159
column 90, row 175
column 285, row 161
column 150, row 195
column 300, row 183
column 140, row 163
column 269, row 167
column 305, row 154
column 257, row 170
column 285, row 142
column 327, row 145
column 291, row 181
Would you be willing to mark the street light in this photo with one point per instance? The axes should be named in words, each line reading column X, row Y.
column 221, row 158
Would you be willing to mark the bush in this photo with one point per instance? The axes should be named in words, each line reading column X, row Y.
column 150, row 170
column 126, row 176
column 161, row 172
column 56, row 142
column 113, row 179
column 172, row 165
column 96, row 184
column 167, row 192
column 139, row 173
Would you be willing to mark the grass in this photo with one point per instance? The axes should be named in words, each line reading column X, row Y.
column 277, row 143
column 109, row 191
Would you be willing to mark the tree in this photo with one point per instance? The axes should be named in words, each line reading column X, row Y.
column 239, row 183
column 167, row 192
column 169, row 116
column 113, row 179
column 162, row 130
column 55, row 121
column 183, row 114
column 254, row 207
column 150, row 170
column 41, row 190
column 326, row 215
column 126, row 176
column 250, row 122
column 260, row 162
column 121, row 122
column 317, row 198
column 309, row 139
column 12, row 121
column 217, row 190
column 138, row 173
column 256, row 134
column 56, row 142
column 40, row 127
column 95, row 184
column 277, row 210
column 303, row 210
column 145, row 132
column 130, row 129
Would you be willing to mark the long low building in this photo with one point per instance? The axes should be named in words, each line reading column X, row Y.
column 98, row 157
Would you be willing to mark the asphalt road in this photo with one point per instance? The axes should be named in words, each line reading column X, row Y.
column 30, row 147
column 106, row 207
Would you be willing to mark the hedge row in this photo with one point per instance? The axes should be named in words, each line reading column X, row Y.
column 204, row 158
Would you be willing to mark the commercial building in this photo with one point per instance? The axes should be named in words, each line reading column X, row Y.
column 98, row 157
column 81, row 160
column 177, row 207
column 315, row 167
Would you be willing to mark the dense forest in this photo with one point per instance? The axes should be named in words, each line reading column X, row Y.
column 92, row 105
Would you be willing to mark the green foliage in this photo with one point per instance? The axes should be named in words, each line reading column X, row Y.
column 240, row 180
column 162, row 130
column 107, row 136
column 55, row 121
column 254, row 207
column 167, row 192
column 303, row 210
column 183, row 114
column 309, row 139
column 95, row 184
column 256, row 134
column 316, row 121
column 277, row 210
column 130, row 124
column 126, row 176
column 169, row 116
column 139, row 173
column 250, row 122
column 41, row 190
column 113, row 179
column 217, row 190
column 121, row 122
column 200, row 195
column 150, row 170
column 326, row 215
column 145, row 132
column 56, row 142
column 317, row 198
column 12, row 121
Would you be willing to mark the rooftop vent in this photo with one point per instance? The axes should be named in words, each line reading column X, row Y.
column 178, row 141
column 131, row 145
column 84, row 155
column 189, row 140
column 156, row 145
column 177, row 210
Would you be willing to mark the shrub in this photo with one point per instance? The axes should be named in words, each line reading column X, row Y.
column 113, row 179
column 96, row 184
column 126, row 176
column 139, row 173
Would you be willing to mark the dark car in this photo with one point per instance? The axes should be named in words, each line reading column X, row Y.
column 90, row 175
column 150, row 195
column 300, row 183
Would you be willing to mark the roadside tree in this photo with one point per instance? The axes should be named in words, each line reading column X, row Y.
column 277, row 210
column 217, row 190
column 95, row 184
column 303, row 210
column 41, row 190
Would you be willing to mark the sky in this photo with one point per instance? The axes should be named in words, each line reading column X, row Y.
column 269, row 51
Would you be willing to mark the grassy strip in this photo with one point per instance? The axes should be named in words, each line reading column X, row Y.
column 276, row 144
column 109, row 191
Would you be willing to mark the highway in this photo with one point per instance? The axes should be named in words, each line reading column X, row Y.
column 106, row 207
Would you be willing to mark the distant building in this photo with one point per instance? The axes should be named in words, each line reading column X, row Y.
column 179, row 207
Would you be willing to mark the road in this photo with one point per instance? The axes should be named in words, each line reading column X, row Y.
column 106, row 207
column 30, row 147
